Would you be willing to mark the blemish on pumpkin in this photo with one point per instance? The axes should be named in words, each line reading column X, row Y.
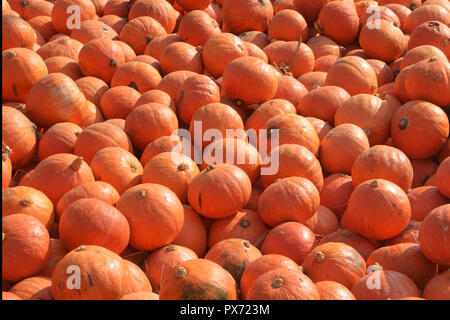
column 133, row 85
column 277, row 283
column 445, row 228
column 148, row 39
column 200, row 200
column 90, row 280
column 206, row 290
column 25, row 202
column 14, row 89
column 244, row 223
column 113, row 63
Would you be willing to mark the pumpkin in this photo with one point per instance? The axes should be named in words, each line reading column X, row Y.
column 149, row 122
column 93, row 115
column 10, row 296
column 244, row 224
column 118, row 8
column 64, row 65
column 335, row 192
column 438, row 287
column 433, row 235
column 323, row 103
column 423, row 200
column 69, row 48
column 156, row 96
column 115, row 22
column 28, row 201
column 347, row 264
column 323, row 222
column 419, row 129
column 93, row 29
column 181, row 56
column 117, row 167
column 406, row 258
column 154, row 213
column 107, row 278
column 172, row 82
column 57, row 252
column 409, row 235
column 411, row 4
column 324, row 63
column 19, row 134
column 241, row 16
column 138, row 280
column 339, row 21
column 383, row 72
column 323, row 46
column 383, row 162
column 290, row 89
column 173, row 170
column 109, row 56
column 62, row 14
column 145, row 295
column 288, row 25
column 189, row 5
column 159, row 10
column 193, row 235
column 385, row 284
column 249, row 80
column 261, row 266
column 353, row 74
column 434, row 33
column 17, row 33
column 332, row 290
column 267, row 110
column 387, row 210
column 196, row 92
column 137, row 75
column 203, row 190
column 118, row 102
column 258, row 38
column 43, row 24
column 34, row 288
column 92, row 88
column 384, row 13
column 442, row 175
column 6, row 170
column 93, row 222
column 288, row 199
column 197, row 27
column 291, row 57
column 290, row 239
column 127, row 50
column 292, row 160
column 25, row 246
column 155, row 47
column 283, row 284
column 420, row 53
column 431, row 12
column 441, row 3
column 341, row 146
column 172, row 143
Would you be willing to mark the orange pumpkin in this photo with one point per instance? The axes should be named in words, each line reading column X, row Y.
column 288, row 25
column 431, row 12
column 62, row 12
column 155, row 47
column 57, row 252
column 290, row 89
column 43, row 24
column 118, row 8
column 113, row 21
column 17, row 33
column 437, row 287
column 197, row 27
column 383, row 72
column 267, row 110
column 434, row 33
column 335, row 192
column 332, row 290
column 193, row 235
column 138, row 280
column 181, row 56
column 118, row 102
column 137, row 75
column 323, row 222
column 92, row 88
column 442, row 175
column 172, row 82
column 33, row 288
column 170, row 143
column 161, row 11
column 420, row 53
column 423, row 200
column 241, row 16
column 323, row 46
column 156, row 96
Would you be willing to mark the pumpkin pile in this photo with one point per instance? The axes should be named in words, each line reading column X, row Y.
column 102, row 199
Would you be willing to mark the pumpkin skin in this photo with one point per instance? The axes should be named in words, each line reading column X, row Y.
column 64, row 65
column 34, row 288
column 99, row 136
column 267, row 110
column 69, row 48
column 115, row 22
column 161, row 263
column 438, row 287
column 138, row 280
column 57, row 252
column 432, row 33
column 156, row 96
column 44, row 25
column 17, row 33
column 392, row 285
column 293, row 160
column 339, row 21
column 148, row 122
column 428, row 80
column 46, row 108
column 409, row 235
column 21, row 69
column 118, row 102
column 234, row 255
column 137, row 75
column 406, row 258
column 219, row 50
column 172, row 143
column 181, row 56
column 323, row 222
column 61, row 15
column 390, row 43
column 335, row 192
column 192, row 225
column 10, row 296
column 139, row 31
column 290, row 89
column 241, row 16
column 258, row 38
column 19, row 135
column 154, row 213
column 288, row 199
column 25, row 246
column 442, row 175
column 322, row 103
column 6, row 170
column 105, row 279
column 433, row 235
column 353, row 74
column 383, row 72
column 322, row 127
column 288, row 25
column 118, row 8
column 109, row 56
column 184, row 282
column 117, row 167
column 332, row 290
column 93, row 29
column 347, row 264
column 29, row 201
column 423, row 200
column 204, row 188
column 420, row 53
column 155, row 47
column 407, row 129
column 93, row 222
column 385, row 13
column 159, row 10
column 173, row 170
column 283, row 284
column 383, row 162
column 424, row 14
column 92, row 88
column 388, row 210
column 290, row 239
column 423, row 171
column 172, row 82
column 341, row 146
column 140, row 296
column 262, row 265
column 196, row 27
column 189, row 5
column 58, row 174
column 323, row 46
column 196, row 92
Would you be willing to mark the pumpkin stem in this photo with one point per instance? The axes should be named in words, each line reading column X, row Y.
column 244, row 223
column 346, row 233
column 170, row 248
column 62, row 41
column 11, row 54
column 25, row 202
column 3, row 236
column 182, row 167
column 133, row 85
column 246, row 244
column 210, row 167
column 367, row 132
column 374, row 184
column 412, row 6
column 320, row 256
column 80, row 248
column 181, row 272
column 141, row 194
column 403, row 124
column 433, row 59
column 133, row 168
column 199, row 48
column 113, row 63
column 76, row 163
column 277, row 283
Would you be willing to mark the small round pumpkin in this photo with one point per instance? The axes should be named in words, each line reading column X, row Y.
column 138, row 75
column 179, row 56
column 332, row 290
column 442, row 175
column 138, row 280
column 57, row 252
column 438, row 287
column 193, row 235
column 290, row 89
column 161, row 11
column 197, row 27
column 138, row 32
column 323, row 222
column 335, row 192
column 423, row 200
column 17, row 33
column 62, row 12
column 118, row 102
column 241, row 16
column 33, row 288
column 434, row 33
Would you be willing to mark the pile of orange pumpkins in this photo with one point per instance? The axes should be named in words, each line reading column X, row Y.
column 102, row 199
